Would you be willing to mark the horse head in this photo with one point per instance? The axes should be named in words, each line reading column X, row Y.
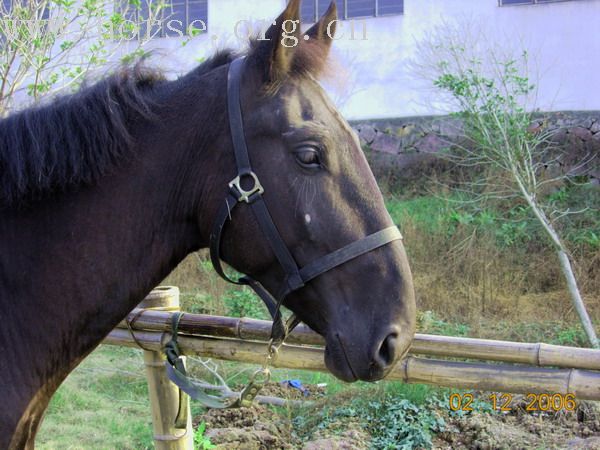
column 321, row 196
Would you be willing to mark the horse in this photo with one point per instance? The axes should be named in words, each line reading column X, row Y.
column 104, row 191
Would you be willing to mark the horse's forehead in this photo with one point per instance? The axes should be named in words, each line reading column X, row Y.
column 307, row 100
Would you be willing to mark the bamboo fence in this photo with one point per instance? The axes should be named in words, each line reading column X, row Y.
column 508, row 366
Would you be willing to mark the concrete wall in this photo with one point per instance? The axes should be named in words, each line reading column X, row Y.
column 563, row 38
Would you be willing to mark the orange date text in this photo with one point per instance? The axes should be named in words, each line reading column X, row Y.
column 504, row 402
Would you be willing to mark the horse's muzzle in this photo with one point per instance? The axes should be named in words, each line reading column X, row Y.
column 348, row 362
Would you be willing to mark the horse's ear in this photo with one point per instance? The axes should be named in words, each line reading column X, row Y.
column 273, row 54
column 324, row 30
column 317, row 43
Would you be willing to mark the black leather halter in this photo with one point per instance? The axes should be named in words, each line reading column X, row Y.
column 295, row 277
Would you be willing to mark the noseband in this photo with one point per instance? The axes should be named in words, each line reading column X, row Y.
column 295, row 277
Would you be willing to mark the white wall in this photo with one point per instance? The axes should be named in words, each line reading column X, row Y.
column 229, row 22
column 563, row 37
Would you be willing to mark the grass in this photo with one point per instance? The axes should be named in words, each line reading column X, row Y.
column 430, row 213
column 472, row 263
column 103, row 404
column 509, row 223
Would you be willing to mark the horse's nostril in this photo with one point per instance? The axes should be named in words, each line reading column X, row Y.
column 387, row 351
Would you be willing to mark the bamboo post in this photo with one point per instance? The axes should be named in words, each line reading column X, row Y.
column 164, row 395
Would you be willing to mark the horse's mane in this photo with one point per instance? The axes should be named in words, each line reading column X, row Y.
column 78, row 138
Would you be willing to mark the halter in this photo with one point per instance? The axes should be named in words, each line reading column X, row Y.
column 295, row 277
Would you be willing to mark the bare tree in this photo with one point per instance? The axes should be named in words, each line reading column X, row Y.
column 492, row 95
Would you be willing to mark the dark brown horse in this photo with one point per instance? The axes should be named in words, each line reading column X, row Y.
column 104, row 192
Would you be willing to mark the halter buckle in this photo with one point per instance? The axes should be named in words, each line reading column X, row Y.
column 244, row 195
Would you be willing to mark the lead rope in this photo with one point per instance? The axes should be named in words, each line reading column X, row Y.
column 256, row 383
column 176, row 371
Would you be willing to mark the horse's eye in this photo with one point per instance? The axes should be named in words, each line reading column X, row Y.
column 308, row 157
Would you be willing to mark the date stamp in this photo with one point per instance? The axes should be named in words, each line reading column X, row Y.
column 505, row 402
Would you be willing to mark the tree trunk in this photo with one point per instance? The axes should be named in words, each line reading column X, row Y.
column 567, row 269
column 565, row 265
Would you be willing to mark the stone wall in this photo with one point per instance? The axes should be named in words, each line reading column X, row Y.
column 406, row 148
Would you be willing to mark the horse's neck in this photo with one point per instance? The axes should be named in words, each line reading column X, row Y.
column 72, row 268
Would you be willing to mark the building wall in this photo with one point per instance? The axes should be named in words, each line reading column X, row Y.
column 378, row 80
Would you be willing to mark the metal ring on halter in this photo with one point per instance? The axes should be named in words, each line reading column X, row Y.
column 273, row 349
column 244, row 195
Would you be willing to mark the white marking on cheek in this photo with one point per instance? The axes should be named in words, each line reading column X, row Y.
column 307, row 218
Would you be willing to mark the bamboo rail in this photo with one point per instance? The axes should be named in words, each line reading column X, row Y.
column 538, row 354
column 585, row 384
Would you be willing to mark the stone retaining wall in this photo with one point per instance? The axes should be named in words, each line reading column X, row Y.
column 408, row 146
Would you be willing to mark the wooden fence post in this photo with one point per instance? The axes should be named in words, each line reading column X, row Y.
column 164, row 395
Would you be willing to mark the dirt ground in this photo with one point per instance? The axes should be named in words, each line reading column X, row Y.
column 260, row 427
column 521, row 429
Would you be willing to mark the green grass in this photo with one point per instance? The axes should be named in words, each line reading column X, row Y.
column 550, row 332
column 430, row 213
column 103, row 404
column 509, row 221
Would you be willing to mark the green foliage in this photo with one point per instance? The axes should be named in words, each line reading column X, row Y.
column 419, row 394
column 428, row 322
column 202, row 442
column 393, row 420
column 572, row 336
column 429, row 212
column 50, row 45
column 197, row 302
column 513, row 233
column 102, row 404
column 587, row 237
column 245, row 303
column 131, row 57
column 406, row 425
column 492, row 111
column 582, row 228
column 479, row 92
column 511, row 225
column 492, row 92
column 551, row 332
